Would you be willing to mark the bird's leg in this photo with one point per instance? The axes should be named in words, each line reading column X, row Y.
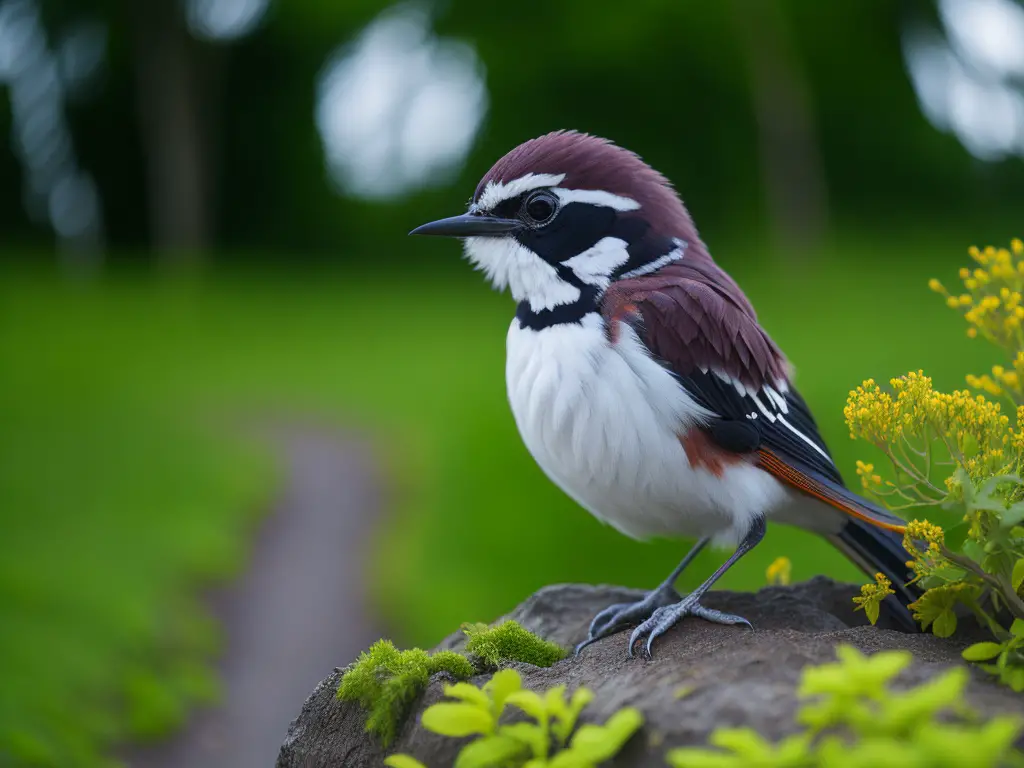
column 667, row 615
column 615, row 617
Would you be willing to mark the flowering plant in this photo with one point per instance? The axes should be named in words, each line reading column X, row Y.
column 956, row 462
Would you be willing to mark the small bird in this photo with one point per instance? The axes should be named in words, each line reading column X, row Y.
column 640, row 379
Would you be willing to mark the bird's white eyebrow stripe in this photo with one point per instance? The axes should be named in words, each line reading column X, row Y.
column 497, row 191
column 596, row 197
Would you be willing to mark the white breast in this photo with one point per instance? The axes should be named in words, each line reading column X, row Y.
column 602, row 420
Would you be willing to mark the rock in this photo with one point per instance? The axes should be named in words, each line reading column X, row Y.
column 737, row 676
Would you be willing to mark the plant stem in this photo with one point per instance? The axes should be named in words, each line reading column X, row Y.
column 1013, row 602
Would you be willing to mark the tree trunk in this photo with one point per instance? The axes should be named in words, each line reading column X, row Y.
column 176, row 129
column 793, row 178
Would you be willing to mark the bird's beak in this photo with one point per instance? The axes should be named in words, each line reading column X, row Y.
column 469, row 225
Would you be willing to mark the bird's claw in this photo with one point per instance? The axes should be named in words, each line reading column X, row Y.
column 617, row 616
column 666, row 616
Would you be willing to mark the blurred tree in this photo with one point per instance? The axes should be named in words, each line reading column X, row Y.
column 795, row 188
column 789, row 116
column 179, row 96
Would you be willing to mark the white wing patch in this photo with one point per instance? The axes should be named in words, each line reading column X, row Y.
column 802, row 436
column 772, row 405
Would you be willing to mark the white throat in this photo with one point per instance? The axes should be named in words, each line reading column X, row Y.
column 530, row 279
column 508, row 264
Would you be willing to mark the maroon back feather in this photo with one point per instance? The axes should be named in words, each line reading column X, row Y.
column 695, row 318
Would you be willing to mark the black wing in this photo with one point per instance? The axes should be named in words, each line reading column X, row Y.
column 746, row 421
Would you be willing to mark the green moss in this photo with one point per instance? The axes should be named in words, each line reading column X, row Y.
column 386, row 681
column 455, row 664
column 511, row 642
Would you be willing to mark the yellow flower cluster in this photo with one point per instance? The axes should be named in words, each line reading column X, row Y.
column 992, row 301
column 869, row 412
column 974, row 429
column 780, row 571
column 868, row 479
column 925, row 531
column 872, row 595
column 928, row 559
column 1002, row 381
column 1017, row 435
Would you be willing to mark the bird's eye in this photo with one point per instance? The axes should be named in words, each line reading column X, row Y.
column 540, row 207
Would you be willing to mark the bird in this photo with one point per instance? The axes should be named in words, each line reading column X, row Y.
column 641, row 380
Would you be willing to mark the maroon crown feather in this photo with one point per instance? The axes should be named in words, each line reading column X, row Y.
column 591, row 162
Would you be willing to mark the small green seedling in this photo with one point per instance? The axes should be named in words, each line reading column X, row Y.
column 550, row 741
column 1005, row 659
column 857, row 719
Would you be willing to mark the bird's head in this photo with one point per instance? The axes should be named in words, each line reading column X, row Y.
column 562, row 216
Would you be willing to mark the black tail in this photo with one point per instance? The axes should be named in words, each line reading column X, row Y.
column 877, row 550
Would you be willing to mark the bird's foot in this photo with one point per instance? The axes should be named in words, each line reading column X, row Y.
column 618, row 616
column 666, row 616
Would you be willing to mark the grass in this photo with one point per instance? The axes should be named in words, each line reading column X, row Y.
column 129, row 476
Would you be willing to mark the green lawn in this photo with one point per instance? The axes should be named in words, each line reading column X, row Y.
column 127, row 480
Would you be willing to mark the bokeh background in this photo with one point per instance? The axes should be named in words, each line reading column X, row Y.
column 247, row 425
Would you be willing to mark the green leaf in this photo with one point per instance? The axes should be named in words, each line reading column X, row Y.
column 1018, row 574
column 567, row 721
column 402, row 761
column 530, row 703
column 906, row 709
column 947, row 574
column 744, row 742
column 944, row 624
column 871, row 610
column 1014, row 677
column 973, row 550
column 982, row 651
column 530, row 735
column 698, row 757
column 469, row 694
column 1017, row 628
column 935, row 607
column 457, row 719
column 567, row 759
column 501, row 685
column 489, row 751
column 1008, row 518
column 956, row 533
column 598, row 743
column 555, row 703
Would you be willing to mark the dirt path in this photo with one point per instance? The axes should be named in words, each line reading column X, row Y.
column 296, row 614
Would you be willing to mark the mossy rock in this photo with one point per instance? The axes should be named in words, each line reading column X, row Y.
column 730, row 676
